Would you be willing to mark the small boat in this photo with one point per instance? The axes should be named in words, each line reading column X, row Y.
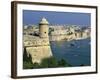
column 72, row 44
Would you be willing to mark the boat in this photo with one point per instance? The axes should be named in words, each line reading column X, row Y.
column 72, row 44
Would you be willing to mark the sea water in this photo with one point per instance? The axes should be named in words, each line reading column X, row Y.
column 76, row 52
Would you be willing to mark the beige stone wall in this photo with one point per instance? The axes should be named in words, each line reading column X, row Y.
column 77, row 35
column 86, row 34
column 43, row 30
column 62, row 37
column 37, row 42
column 39, row 53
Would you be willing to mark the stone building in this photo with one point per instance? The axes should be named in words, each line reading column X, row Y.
column 69, row 33
column 43, row 28
column 38, row 47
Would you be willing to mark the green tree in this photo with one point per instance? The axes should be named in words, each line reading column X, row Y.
column 44, row 63
column 36, row 65
column 27, row 65
column 25, row 57
column 49, row 62
column 62, row 63
column 52, row 62
column 27, row 61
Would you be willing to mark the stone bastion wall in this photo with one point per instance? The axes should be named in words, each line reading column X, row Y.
column 38, row 48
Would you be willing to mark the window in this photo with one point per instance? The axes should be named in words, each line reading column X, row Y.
column 45, row 32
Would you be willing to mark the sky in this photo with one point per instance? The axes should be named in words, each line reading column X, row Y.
column 71, row 18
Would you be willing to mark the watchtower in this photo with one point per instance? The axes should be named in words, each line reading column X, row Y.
column 43, row 28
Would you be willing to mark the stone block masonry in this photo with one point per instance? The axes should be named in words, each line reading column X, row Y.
column 39, row 53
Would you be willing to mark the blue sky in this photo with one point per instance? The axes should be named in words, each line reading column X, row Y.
column 72, row 18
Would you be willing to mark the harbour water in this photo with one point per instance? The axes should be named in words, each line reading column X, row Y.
column 76, row 52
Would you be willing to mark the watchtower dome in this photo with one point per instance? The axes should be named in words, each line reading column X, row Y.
column 43, row 28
